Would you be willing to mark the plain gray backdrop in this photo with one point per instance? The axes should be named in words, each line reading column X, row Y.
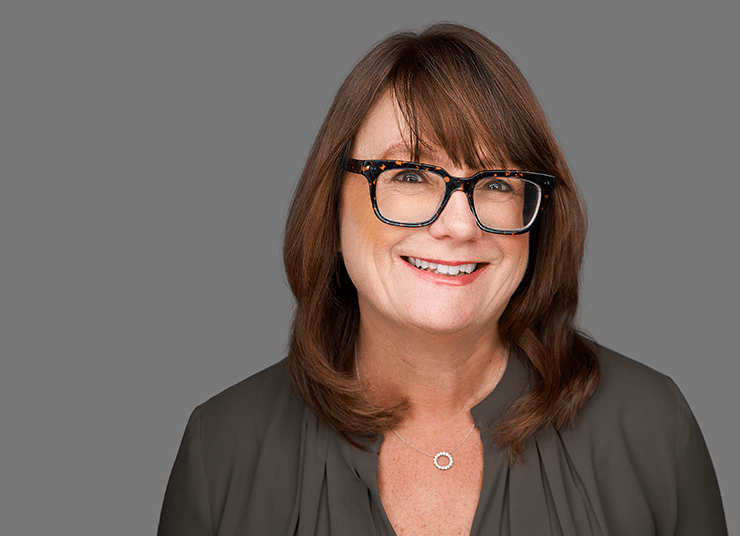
column 148, row 152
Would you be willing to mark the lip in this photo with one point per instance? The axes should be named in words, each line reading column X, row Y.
column 446, row 280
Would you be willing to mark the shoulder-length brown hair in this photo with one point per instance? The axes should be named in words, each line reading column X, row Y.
column 458, row 91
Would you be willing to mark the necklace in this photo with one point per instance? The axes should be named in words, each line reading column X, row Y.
column 443, row 453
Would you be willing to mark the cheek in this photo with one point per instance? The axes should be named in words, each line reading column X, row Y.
column 359, row 234
column 366, row 242
column 355, row 212
column 521, row 253
column 514, row 254
column 360, row 229
column 520, row 247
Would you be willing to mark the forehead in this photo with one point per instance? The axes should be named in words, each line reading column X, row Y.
column 385, row 135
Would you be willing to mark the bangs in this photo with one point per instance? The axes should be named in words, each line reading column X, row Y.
column 473, row 107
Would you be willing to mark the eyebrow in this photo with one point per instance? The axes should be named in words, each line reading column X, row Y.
column 399, row 150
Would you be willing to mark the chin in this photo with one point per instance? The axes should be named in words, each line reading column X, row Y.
column 439, row 320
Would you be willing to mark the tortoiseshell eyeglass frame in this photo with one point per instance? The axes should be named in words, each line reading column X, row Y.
column 371, row 170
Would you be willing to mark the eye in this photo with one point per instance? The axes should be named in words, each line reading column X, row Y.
column 409, row 177
column 496, row 184
column 410, row 180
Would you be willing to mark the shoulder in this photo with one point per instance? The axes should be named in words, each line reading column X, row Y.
column 239, row 458
column 252, row 433
column 255, row 423
column 248, row 412
column 266, row 391
column 631, row 391
column 635, row 410
column 640, row 453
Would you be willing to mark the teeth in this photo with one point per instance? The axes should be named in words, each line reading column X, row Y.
column 443, row 269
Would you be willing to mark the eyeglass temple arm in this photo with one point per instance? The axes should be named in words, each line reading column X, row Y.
column 355, row 166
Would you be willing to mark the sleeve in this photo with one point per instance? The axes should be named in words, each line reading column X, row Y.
column 186, row 510
column 700, row 508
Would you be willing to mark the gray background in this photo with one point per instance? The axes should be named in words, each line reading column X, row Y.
column 148, row 153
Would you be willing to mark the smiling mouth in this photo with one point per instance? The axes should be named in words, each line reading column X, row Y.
column 443, row 269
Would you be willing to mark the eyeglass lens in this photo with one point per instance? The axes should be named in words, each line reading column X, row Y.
column 413, row 196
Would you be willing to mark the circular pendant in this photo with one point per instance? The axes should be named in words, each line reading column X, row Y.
column 446, row 455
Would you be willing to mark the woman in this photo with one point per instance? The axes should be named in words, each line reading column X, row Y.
column 435, row 381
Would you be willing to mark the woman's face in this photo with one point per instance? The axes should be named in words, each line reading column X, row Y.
column 380, row 258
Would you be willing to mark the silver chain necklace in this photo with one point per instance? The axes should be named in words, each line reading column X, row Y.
column 443, row 453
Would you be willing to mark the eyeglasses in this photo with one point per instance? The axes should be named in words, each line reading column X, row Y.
column 407, row 194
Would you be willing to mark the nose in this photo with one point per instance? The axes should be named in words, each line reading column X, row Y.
column 456, row 220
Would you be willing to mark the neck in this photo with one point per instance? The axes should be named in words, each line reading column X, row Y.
column 439, row 376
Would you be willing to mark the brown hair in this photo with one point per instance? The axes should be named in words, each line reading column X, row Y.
column 458, row 91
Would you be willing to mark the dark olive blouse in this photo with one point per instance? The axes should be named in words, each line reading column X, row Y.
column 256, row 460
